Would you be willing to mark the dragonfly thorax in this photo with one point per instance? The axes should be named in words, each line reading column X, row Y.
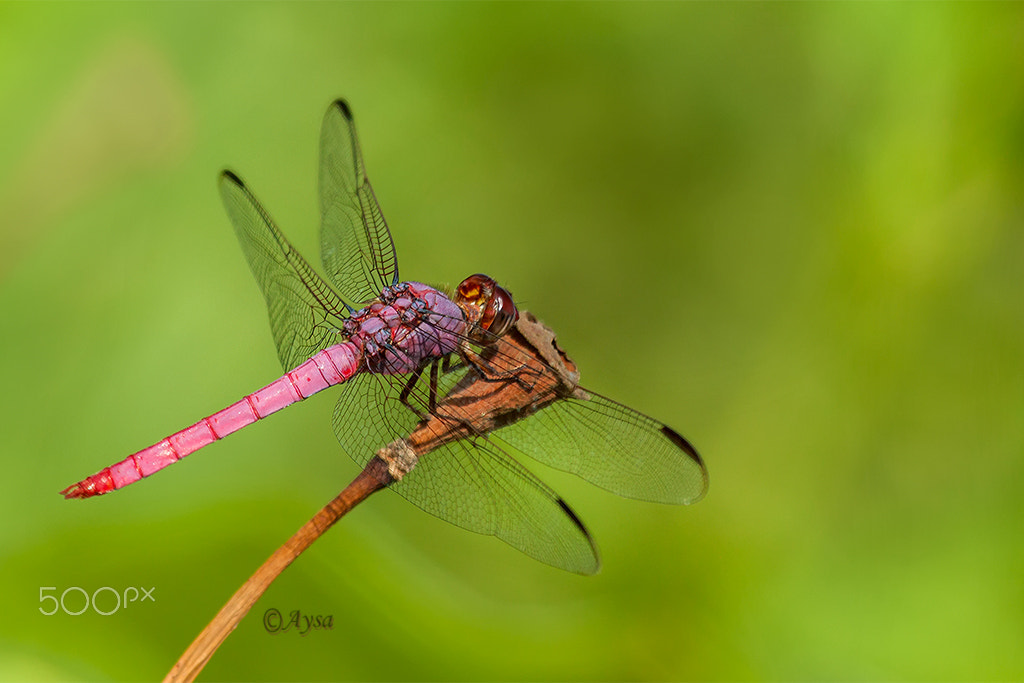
column 408, row 323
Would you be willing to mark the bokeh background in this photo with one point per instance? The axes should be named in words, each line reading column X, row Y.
column 793, row 232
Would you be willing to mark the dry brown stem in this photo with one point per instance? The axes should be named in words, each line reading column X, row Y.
column 373, row 478
column 530, row 350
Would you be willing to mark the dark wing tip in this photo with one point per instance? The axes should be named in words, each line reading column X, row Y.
column 229, row 175
column 343, row 106
column 681, row 443
column 586, row 534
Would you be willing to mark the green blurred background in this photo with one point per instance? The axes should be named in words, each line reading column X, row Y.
column 793, row 232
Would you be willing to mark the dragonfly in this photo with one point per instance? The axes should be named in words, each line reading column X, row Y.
column 443, row 386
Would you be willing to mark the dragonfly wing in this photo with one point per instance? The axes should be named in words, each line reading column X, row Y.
column 469, row 482
column 355, row 243
column 612, row 446
column 305, row 313
column 477, row 486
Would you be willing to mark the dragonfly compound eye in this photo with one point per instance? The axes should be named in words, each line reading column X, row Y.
column 501, row 313
column 489, row 308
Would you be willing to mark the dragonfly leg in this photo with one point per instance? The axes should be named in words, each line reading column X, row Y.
column 414, row 377
column 432, row 393
column 403, row 397
column 488, row 371
column 449, row 364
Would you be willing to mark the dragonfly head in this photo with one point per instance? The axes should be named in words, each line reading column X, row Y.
column 489, row 309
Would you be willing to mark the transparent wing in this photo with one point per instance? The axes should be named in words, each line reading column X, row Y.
column 355, row 243
column 470, row 481
column 612, row 446
column 538, row 409
column 305, row 313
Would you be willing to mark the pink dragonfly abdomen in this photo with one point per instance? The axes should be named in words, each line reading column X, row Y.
column 331, row 366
